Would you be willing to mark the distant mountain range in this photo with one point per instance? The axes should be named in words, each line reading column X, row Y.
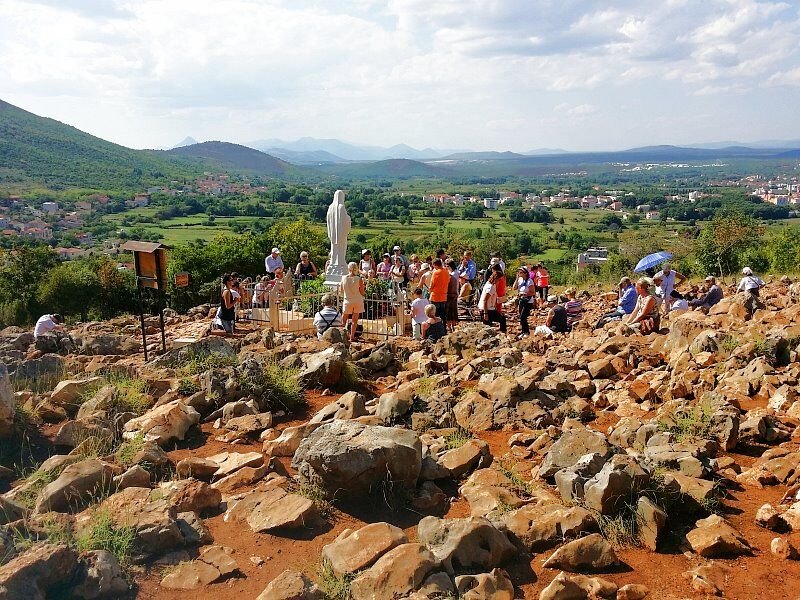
column 187, row 141
column 36, row 151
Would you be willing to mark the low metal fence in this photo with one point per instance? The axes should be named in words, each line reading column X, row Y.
column 281, row 306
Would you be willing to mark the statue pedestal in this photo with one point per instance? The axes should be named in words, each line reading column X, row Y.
column 334, row 274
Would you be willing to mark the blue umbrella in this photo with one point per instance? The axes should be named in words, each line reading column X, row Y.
column 652, row 260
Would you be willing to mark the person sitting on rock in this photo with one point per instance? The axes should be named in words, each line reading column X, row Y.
column 645, row 316
column 556, row 321
column 224, row 320
column 434, row 328
column 418, row 316
column 625, row 304
column 750, row 285
column 328, row 315
column 711, row 297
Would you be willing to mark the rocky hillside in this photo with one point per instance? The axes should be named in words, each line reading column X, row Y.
column 598, row 465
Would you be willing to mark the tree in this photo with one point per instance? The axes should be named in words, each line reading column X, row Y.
column 22, row 271
column 70, row 289
column 293, row 237
column 784, row 250
column 721, row 245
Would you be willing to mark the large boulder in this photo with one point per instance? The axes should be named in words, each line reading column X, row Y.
column 537, row 528
column 467, row 543
column 398, row 572
column 610, row 490
column 76, row 486
column 7, row 404
column 570, row 447
column 102, row 577
column 347, row 458
column 109, row 344
column 348, row 406
column 41, row 569
column 163, row 424
column 485, row 586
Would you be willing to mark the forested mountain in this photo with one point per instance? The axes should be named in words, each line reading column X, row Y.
column 227, row 156
column 36, row 150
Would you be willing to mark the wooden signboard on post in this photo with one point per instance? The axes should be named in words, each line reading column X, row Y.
column 181, row 280
column 150, row 264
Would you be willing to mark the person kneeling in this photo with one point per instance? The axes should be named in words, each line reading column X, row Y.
column 556, row 319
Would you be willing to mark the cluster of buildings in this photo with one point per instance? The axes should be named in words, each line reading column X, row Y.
column 209, row 184
column 779, row 193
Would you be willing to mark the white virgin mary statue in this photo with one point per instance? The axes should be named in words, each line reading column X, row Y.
column 338, row 230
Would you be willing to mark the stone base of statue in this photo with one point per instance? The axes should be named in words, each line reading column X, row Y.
column 334, row 274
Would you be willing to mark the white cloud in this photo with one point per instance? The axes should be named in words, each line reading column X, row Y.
column 455, row 73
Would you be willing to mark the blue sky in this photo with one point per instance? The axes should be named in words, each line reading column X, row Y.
column 479, row 74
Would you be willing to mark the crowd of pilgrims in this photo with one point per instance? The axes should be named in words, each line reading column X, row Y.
column 438, row 289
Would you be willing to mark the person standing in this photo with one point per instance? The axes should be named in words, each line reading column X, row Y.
column 670, row 280
column 367, row 265
column 305, row 269
column 399, row 273
column 384, row 269
column 541, row 279
column 525, row 291
column 452, row 295
column 225, row 318
column 468, row 269
column 272, row 262
column 488, row 302
column 440, row 282
column 398, row 253
column 353, row 292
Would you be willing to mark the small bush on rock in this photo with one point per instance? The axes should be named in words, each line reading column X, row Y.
column 103, row 534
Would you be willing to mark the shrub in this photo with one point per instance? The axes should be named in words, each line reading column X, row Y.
column 200, row 362
column 129, row 449
column 103, row 534
column 187, row 387
column 335, row 587
column 457, row 438
column 690, row 425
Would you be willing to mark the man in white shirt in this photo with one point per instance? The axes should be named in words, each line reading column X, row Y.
column 750, row 285
column 671, row 280
column 47, row 323
column 418, row 316
column 273, row 261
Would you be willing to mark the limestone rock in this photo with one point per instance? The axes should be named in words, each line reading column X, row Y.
column 291, row 585
column 136, row 476
column 356, row 550
column 323, row 369
column 460, row 461
column 571, row 446
column 592, row 552
column 69, row 392
column 213, row 563
column 40, row 569
column 651, row 520
column 395, row 574
column 768, row 517
column 163, row 424
column 784, row 548
column 632, row 591
column 287, row 443
column 465, row 543
column 103, row 577
column 75, row 486
column 609, row 490
column 191, row 495
column 578, row 587
column 229, row 462
column 348, row 458
column 274, row 508
column 485, row 586
column 348, row 406
column 538, row 528
column 193, row 466
column 707, row 579
column 154, row 520
column 715, row 537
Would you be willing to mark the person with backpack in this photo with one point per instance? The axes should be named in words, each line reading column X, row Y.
column 328, row 315
column 750, row 285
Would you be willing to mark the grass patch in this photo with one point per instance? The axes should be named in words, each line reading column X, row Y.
column 283, row 387
column 690, row 425
column 517, row 483
column 319, row 496
column 350, row 378
column 335, row 587
column 425, row 386
column 41, row 384
column 131, row 394
column 103, row 534
column 95, row 446
column 200, row 362
column 187, row 387
column 128, row 450
column 457, row 438
column 728, row 345
column 34, row 483
column 622, row 530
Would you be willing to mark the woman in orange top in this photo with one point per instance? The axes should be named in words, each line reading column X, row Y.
column 440, row 280
column 541, row 280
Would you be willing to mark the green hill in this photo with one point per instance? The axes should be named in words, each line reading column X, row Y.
column 227, row 156
column 39, row 151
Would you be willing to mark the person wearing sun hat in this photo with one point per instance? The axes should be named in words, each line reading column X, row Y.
column 397, row 252
column 367, row 264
